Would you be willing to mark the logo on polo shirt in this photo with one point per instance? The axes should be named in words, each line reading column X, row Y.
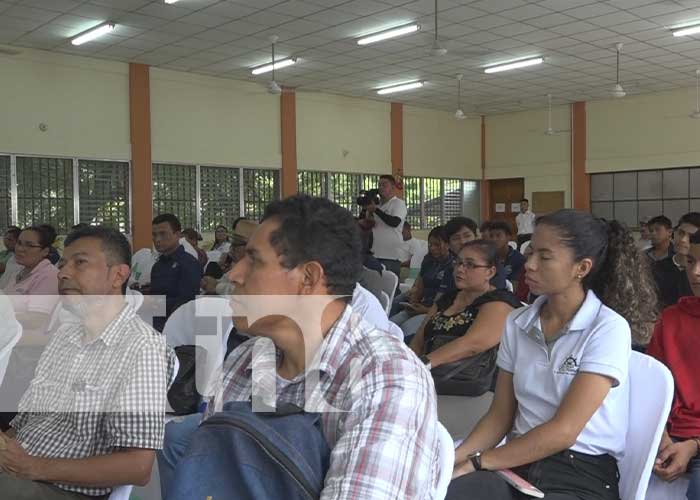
column 569, row 366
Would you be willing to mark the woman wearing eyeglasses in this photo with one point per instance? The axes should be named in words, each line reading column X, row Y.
column 34, row 295
column 459, row 339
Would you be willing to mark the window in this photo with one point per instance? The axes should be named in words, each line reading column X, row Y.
column 313, row 183
column 412, row 187
column 631, row 196
column 104, row 193
column 5, row 193
column 175, row 192
column 432, row 202
column 45, row 192
column 220, row 196
column 432, row 196
column 345, row 189
column 452, row 199
column 260, row 187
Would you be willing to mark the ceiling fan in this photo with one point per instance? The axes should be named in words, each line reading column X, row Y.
column 437, row 49
column 273, row 87
column 696, row 114
column 617, row 91
column 460, row 114
column 550, row 130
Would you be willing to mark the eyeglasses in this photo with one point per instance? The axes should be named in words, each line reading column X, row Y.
column 468, row 264
column 27, row 244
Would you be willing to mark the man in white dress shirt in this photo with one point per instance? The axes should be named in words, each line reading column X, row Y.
column 525, row 221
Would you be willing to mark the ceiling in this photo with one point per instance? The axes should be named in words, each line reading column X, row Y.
column 225, row 38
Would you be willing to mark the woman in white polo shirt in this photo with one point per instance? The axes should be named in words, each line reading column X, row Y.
column 562, row 395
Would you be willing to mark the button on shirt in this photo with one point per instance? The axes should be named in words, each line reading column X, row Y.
column 525, row 222
column 384, row 440
column 597, row 340
column 387, row 240
column 178, row 277
column 89, row 399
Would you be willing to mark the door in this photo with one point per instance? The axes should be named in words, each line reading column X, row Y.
column 505, row 196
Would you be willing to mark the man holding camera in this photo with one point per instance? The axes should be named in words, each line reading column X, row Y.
column 388, row 218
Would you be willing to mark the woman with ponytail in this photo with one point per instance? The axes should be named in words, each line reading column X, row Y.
column 562, row 394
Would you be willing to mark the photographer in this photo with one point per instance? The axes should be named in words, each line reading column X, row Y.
column 387, row 218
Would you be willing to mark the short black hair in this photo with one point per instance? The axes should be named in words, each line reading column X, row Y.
column 525, row 200
column 486, row 248
column 485, row 226
column 79, row 225
column 661, row 220
column 456, row 223
column 50, row 232
column 438, row 232
column 114, row 244
column 695, row 238
column 14, row 230
column 692, row 218
column 407, row 224
column 499, row 225
column 170, row 219
column 46, row 236
column 316, row 229
column 388, row 177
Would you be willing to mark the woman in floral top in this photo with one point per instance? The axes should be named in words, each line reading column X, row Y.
column 474, row 313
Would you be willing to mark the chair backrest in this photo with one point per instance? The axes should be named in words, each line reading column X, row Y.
column 513, row 245
column 524, row 246
column 447, row 461
column 417, row 258
column 389, row 283
column 384, row 301
column 141, row 264
column 650, row 398
column 509, row 286
column 372, row 281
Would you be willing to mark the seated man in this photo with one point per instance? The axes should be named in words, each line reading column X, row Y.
column 675, row 343
column 669, row 273
column 512, row 261
column 94, row 412
column 412, row 248
column 383, row 441
column 660, row 234
column 176, row 274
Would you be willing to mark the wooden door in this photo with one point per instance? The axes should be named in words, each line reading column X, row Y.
column 545, row 202
column 505, row 196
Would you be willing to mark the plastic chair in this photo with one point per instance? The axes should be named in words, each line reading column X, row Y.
column 650, row 398
column 384, row 301
column 389, row 284
column 509, row 286
column 524, row 246
column 447, row 461
column 141, row 264
column 513, row 245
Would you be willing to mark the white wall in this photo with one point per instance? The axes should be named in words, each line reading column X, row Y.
column 343, row 134
column 84, row 102
column 516, row 146
column 438, row 145
column 200, row 119
column 643, row 132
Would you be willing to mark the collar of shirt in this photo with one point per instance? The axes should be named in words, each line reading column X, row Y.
column 38, row 268
column 529, row 318
column 179, row 252
column 112, row 333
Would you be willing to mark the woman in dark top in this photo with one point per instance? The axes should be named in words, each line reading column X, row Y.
column 474, row 313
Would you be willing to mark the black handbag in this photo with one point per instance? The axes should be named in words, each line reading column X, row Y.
column 472, row 376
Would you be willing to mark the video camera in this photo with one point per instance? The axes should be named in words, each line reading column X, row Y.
column 368, row 196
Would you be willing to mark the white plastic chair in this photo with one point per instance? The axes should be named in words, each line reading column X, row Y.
column 389, row 283
column 509, row 286
column 447, row 461
column 524, row 246
column 650, row 398
column 513, row 245
column 384, row 301
column 141, row 264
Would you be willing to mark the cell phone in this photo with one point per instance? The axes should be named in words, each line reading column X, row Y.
column 519, row 483
column 407, row 304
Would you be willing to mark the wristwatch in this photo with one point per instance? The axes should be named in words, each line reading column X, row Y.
column 475, row 459
column 426, row 361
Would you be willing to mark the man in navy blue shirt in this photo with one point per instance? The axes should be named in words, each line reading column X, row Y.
column 500, row 233
column 176, row 274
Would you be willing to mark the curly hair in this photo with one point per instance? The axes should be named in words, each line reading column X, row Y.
column 621, row 276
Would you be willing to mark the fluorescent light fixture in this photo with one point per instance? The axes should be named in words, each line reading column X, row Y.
column 523, row 63
column 391, row 33
column 282, row 63
column 400, row 88
column 170, row 1
column 687, row 30
column 92, row 33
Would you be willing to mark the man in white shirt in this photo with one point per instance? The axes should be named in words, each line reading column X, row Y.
column 412, row 249
column 525, row 221
column 388, row 224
